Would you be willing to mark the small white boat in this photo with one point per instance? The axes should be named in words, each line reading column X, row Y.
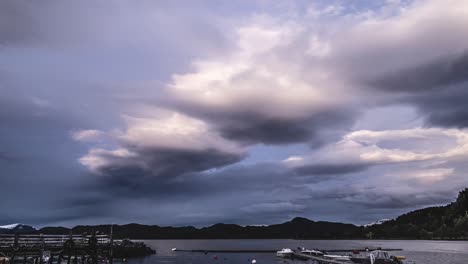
column 285, row 252
column 338, row 257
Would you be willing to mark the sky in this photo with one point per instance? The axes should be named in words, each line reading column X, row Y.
column 245, row 112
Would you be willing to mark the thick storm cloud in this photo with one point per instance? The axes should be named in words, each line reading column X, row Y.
column 438, row 89
column 259, row 93
column 165, row 146
column 438, row 74
column 252, row 113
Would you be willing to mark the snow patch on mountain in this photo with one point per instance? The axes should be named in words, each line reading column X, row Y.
column 17, row 228
column 379, row 222
column 10, row 226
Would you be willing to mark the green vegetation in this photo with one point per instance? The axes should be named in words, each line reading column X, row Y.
column 443, row 222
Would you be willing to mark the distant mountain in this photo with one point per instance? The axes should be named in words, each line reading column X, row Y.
column 54, row 230
column 16, row 228
column 296, row 228
column 444, row 222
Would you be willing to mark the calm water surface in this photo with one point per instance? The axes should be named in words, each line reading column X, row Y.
column 421, row 252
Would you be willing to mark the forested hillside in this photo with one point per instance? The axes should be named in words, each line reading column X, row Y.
column 443, row 222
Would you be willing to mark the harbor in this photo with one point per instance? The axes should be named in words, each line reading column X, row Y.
column 375, row 255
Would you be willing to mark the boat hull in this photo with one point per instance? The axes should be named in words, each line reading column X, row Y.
column 284, row 255
column 377, row 261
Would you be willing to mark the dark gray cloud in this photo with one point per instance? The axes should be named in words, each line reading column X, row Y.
column 283, row 131
column 254, row 129
column 446, row 107
column 250, row 127
column 439, row 75
column 330, row 169
column 378, row 198
column 272, row 131
column 158, row 167
column 438, row 89
column 223, row 195
column 17, row 23
column 184, row 185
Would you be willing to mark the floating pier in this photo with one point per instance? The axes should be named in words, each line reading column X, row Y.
column 275, row 250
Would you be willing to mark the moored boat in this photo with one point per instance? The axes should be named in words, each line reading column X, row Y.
column 318, row 253
column 312, row 252
column 378, row 257
column 338, row 257
column 285, row 252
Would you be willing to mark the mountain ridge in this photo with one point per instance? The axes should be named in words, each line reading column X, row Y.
column 440, row 222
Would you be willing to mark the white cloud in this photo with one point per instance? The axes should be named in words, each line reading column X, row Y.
column 149, row 143
column 386, row 43
column 100, row 158
column 294, row 159
column 89, row 135
column 430, row 176
column 258, row 78
column 317, row 48
column 39, row 102
column 333, row 10
column 174, row 131
column 408, row 145
column 427, row 148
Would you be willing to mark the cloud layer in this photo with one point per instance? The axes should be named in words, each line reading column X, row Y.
column 251, row 113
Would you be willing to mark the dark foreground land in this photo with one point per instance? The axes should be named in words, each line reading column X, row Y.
column 88, row 248
column 448, row 222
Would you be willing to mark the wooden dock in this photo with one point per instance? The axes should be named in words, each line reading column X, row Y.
column 49, row 249
column 70, row 249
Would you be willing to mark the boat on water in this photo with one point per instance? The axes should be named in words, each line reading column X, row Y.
column 312, row 252
column 338, row 257
column 285, row 252
column 378, row 257
column 318, row 253
column 374, row 257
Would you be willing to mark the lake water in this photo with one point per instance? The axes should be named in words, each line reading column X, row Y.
column 421, row 252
